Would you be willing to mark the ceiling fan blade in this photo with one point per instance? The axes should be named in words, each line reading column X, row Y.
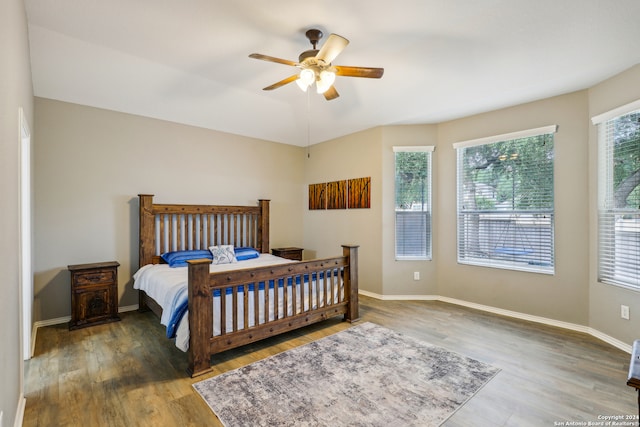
column 332, row 48
column 273, row 59
column 282, row 82
column 372, row 73
column 331, row 93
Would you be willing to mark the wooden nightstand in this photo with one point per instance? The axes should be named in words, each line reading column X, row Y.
column 94, row 294
column 289, row 253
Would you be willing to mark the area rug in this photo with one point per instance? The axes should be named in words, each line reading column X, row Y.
column 366, row 375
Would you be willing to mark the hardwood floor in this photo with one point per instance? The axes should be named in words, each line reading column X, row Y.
column 128, row 374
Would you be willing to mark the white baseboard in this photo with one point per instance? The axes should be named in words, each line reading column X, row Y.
column 399, row 297
column 514, row 314
column 22, row 404
column 34, row 331
column 50, row 322
column 127, row 308
column 65, row 319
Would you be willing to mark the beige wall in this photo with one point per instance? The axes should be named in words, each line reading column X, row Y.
column 605, row 300
column 92, row 163
column 367, row 153
column 563, row 296
column 570, row 295
column 353, row 156
column 15, row 92
column 398, row 275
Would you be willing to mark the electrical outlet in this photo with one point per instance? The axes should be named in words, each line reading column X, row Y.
column 416, row 275
column 624, row 312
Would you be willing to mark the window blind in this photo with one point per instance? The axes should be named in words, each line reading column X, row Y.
column 505, row 201
column 619, row 198
column 413, row 202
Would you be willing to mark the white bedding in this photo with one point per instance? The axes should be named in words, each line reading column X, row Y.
column 168, row 287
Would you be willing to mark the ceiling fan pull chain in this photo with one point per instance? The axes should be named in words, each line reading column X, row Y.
column 308, row 125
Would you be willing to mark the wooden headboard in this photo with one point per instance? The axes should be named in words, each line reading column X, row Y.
column 170, row 227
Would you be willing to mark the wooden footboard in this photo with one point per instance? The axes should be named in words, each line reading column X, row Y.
column 339, row 273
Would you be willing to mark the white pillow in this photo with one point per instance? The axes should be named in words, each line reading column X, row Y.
column 223, row 254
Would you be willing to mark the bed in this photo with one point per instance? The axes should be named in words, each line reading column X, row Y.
column 224, row 305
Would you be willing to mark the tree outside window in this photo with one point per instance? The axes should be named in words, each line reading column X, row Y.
column 413, row 202
column 506, row 204
column 619, row 201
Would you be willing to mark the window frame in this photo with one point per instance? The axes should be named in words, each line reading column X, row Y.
column 510, row 215
column 608, row 270
column 428, row 213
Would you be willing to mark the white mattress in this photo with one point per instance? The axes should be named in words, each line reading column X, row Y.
column 168, row 287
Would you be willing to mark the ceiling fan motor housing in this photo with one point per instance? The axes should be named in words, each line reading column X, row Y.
column 307, row 54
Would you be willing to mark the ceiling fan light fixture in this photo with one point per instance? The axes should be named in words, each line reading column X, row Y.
column 316, row 66
column 302, row 85
column 306, row 79
column 325, row 80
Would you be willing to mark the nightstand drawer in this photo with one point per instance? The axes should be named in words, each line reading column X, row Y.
column 289, row 253
column 95, row 277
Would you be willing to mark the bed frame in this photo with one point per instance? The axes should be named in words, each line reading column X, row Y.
column 166, row 227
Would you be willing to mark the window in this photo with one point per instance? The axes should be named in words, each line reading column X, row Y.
column 619, row 196
column 413, row 202
column 505, row 201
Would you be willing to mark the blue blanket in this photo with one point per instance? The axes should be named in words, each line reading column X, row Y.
column 181, row 300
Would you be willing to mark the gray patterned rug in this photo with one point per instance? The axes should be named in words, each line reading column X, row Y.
column 366, row 375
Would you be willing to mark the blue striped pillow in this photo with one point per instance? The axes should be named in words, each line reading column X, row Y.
column 180, row 258
column 246, row 253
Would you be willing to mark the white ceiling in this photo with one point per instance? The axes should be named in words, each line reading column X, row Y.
column 187, row 60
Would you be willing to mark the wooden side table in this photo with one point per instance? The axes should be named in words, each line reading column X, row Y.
column 289, row 253
column 94, row 294
column 633, row 380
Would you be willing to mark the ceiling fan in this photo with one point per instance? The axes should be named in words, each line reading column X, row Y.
column 315, row 66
